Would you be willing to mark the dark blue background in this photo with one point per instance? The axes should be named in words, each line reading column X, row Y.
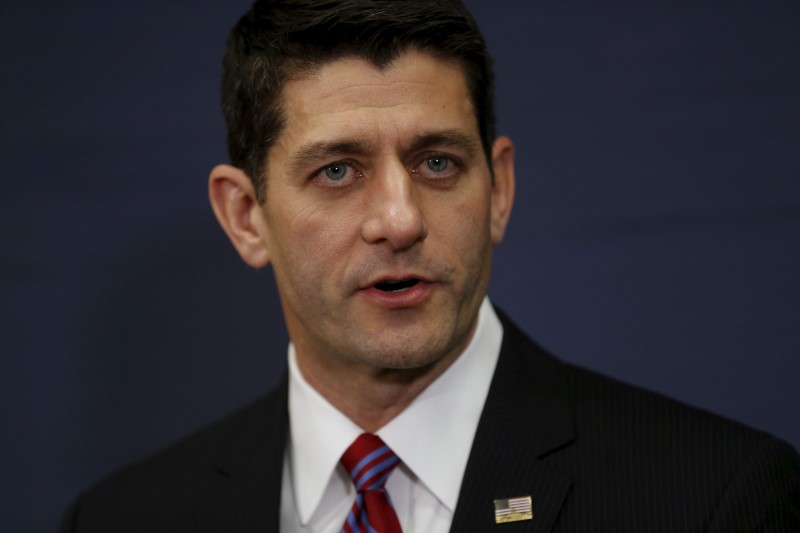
column 655, row 235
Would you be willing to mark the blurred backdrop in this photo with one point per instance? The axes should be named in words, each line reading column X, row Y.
column 655, row 236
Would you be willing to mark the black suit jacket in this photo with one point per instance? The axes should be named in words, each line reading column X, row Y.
column 593, row 454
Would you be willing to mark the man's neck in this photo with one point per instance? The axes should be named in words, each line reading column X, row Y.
column 372, row 397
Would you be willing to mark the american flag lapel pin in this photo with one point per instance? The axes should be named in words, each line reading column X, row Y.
column 513, row 509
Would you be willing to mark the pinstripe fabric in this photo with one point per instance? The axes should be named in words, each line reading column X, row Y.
column 601, row 456
column 594, row 455
column 369, row 462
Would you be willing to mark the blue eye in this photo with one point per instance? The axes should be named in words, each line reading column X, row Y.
column 336, row 171
column 438, row 164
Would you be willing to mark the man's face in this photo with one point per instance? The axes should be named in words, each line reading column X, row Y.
column 380, row 213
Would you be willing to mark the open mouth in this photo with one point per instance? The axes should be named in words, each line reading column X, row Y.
column 396, row 286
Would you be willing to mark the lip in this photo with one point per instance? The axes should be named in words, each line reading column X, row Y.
column 410, row 297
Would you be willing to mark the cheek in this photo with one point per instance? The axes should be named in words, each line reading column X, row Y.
column 315, row 242
column 463, row 227
column 468, row 218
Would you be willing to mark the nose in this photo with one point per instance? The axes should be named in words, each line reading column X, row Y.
column 393, row 209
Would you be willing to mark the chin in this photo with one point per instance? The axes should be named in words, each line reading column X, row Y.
column 408, row 340
column 410, row 353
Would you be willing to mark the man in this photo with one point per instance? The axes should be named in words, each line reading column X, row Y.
column 366, row 171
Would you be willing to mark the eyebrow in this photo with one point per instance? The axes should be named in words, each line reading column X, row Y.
column 453, row 137
column 321, row 151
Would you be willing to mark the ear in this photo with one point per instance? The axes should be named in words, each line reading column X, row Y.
column 239, row 213
column 503, row 186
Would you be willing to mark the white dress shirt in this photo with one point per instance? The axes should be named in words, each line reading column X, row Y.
column 432, row 437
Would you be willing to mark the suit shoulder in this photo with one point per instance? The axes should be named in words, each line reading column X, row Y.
column 197, row 449
column 606, row 403
column 649, row 447
column 633, row 409
column 163, row 486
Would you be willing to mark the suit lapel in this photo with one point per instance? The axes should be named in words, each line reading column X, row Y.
column 526, row 416
column 246, row 492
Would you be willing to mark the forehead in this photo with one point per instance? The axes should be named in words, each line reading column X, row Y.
column 351, row 97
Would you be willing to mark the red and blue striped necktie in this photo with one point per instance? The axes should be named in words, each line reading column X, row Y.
column 369, row 462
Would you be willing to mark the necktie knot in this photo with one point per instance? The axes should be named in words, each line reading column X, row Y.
column 369, row 462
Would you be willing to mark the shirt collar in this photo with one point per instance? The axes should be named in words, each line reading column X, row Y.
column 432, row 436
column 319, row 435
